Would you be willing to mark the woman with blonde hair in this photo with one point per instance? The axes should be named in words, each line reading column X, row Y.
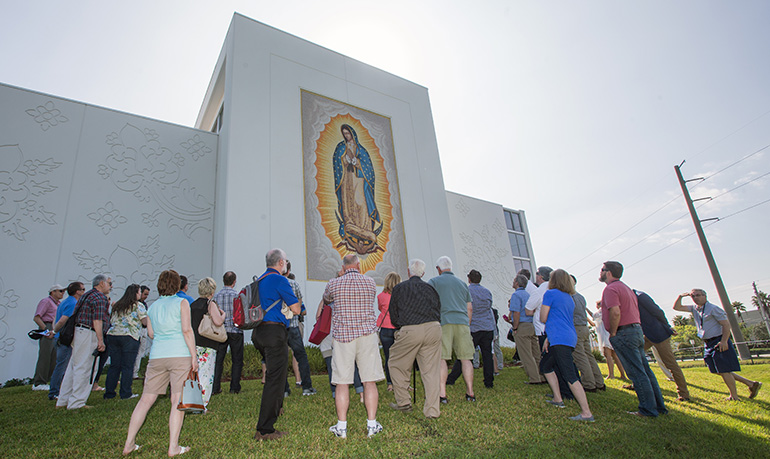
column 171, row 358
column 387, row 330
column 561, row 338
column 205, row 347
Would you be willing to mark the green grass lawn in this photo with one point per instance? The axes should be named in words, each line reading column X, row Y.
column 511, row 420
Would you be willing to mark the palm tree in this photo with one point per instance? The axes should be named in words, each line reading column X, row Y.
column 739, row 308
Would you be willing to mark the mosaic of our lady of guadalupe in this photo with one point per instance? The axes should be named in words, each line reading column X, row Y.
column 352, row 202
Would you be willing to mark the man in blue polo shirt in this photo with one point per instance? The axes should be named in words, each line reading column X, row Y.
column 270, row 337
column 75, row 290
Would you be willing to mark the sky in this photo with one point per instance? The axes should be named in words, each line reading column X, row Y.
column 575, row 112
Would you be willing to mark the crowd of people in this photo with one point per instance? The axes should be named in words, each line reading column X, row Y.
column 419, row 324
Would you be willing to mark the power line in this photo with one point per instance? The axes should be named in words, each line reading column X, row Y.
column 733, row 164
column 624, row 232
column 744, row 210
column 731, row 134
column 741, row 185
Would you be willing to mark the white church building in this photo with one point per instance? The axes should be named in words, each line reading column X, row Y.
column 86, row 190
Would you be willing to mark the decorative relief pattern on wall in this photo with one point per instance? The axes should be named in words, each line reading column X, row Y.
column 486, row 255
column 21, row 181
column 196, row 147
column 8, row 300
column 107, row 218
column 462, row 207
column 126, row 266
column 141, row 165
column 151, row 220
column 47, row 115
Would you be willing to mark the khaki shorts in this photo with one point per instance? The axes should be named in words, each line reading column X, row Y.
column 161, row 372
column 365, row 351
column 458, row 338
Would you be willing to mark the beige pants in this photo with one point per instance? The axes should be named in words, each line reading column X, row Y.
column 669, row 360
column 529, row 351
column 76, row 385
column 422, row 343
column 590, row 375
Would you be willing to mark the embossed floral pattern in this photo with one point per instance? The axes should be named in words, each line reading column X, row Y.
column 141, row 165
column 107, row 218
column 196, row 147
column 151, row 220
column 8, row 300
column 462, row 207
column 126, row 266
column 18, row 189
column 47, row 115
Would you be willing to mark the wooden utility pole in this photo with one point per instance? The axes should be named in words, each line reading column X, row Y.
column 743, row 350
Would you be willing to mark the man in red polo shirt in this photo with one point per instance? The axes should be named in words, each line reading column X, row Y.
column 621, row 313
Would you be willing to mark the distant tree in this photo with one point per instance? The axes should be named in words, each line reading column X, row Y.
column 680, row 321
column 761, row 301
column 758, row 332
column 739, row 308
column 684, row 334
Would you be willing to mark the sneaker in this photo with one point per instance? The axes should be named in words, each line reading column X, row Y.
column 298, row 383
column 556, row 404
column 755, row 389
column 470, row 398
column 44, row 387
column 134, row 396
column 286, row 394
column 373, row 430
column 342, row 433
column 580, row 417
column 310, row 391
column 443, row 400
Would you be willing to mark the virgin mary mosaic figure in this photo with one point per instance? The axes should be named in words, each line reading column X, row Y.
column 357, row 215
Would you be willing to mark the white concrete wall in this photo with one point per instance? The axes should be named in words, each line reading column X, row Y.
column 86, row 190
column 481, row 243
column 261, row 201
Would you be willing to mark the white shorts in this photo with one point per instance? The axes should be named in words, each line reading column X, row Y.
column 364, row 351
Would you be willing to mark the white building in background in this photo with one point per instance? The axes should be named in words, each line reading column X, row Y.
column 89, row 190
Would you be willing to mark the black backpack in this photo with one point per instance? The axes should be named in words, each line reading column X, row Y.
column 67, row 333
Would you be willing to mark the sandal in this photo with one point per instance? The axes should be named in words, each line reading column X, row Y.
column 136, row 448
column 182, row 450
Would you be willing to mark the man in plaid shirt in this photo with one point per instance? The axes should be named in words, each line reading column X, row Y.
column 93, row 320
column 355, row 342
column 224, row 298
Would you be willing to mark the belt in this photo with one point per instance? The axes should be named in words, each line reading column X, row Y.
column 621, row 327
column 84, row 326
column 270, row 322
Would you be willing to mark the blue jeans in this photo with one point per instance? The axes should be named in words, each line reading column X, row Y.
column 63, row 354
column 298, row 348
column 387, row 338
column 629, row 345
column 122, row 349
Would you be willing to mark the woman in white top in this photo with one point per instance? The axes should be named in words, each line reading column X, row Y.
column 603, row 337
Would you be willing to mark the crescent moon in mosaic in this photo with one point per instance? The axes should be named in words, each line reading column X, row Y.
column 327, row 199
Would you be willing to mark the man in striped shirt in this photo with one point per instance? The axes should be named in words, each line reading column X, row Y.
column 355, row 342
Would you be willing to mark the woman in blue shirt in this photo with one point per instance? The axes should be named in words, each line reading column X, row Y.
column 561, row 338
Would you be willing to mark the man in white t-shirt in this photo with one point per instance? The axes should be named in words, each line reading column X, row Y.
column 534, row 303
